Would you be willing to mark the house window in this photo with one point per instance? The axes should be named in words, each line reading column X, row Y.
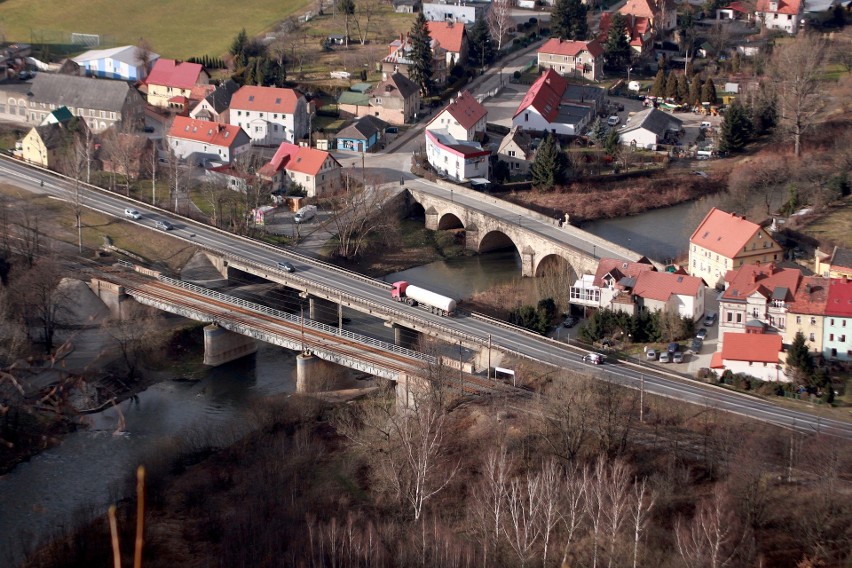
column 798, row 319
column 730, row 317
column 842, row 339
column 831, row 337
column 780, row 323
column 512, row 153
column 810, row 337
column 739, row 318
column 832, row 321
column 813, row 321
column 755, row 313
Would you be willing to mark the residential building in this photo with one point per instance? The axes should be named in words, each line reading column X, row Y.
column 13, row 101
column 463, row 118
column 784, row 15
column 547, row 108
column 363, row 135
column 270, row 115
column 838, row 264
column 216, row 106
column 198, row 141
column 600, row 290
column 395, row 100
column 461, row 160
column 837, row 325
column 121, row 63
column 460, row 12
column 316, row 171
column 100, row 103
column 398, row 60
column 668, row 292
column 757, row 298
column 406, row 6
column 724, row 242
column 453, row 38
column 806, row 312
column 48, row 144
column 660, row 14
column 572, row 58
column 759, row 356
column 639, row 32
column 170, row 84
column 648, row 128
column 517, row 151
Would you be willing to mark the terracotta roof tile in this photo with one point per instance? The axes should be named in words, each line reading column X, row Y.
column 619, row 268
column 212, row 133
column 791, row 7
column 465, row 109
column 839, row 301
column 296, row 159
column 662, row 285
column 557, row 46
column 724, row 233
column 545, row 95
column 762, row 278
column 755, row 347
column 450, row 36
column 811, row 296
column 265, row 99
column 170, row 73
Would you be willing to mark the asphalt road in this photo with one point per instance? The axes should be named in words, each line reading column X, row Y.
column 530, row 345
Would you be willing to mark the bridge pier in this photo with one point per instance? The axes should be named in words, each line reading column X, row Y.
column 222, row 346
column 316, row 375
column 399, row 334
column 528, row 262
column 432, row 219
column 112, row 295
column 323, row 311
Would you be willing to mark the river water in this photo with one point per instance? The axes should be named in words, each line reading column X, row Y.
column 39, row 496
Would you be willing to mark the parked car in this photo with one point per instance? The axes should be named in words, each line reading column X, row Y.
column 677, row 357
column 664, row 357
column 132, row 213
column 673, row 348
column 570, row 321
column 164, row 225
column 613, row 120
column 651, row 355
column 702, row 334
column 695, row 347
column 710, row 319
column 286, row 266
column 593, row 358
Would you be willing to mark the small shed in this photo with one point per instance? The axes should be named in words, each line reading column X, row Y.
column 362, row 135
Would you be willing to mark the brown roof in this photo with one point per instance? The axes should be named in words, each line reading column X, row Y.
column 465, row 109
column 767, row 279
column 396, row 83
column 557, row 46
column 811, row 296
column 619, row 269
column 724, row 233
column 265, row 99
column 791, row 7
column 296, row 159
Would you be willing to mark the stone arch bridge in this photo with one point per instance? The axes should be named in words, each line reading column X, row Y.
column 539, row 240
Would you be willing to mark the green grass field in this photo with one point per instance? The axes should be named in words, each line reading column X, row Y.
column 174, row 29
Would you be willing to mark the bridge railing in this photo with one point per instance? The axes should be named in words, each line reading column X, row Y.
column 311, row 324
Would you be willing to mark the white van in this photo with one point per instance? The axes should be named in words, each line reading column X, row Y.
column 706, row 125
column 593, row 358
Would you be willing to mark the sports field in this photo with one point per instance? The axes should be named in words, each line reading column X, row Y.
column 174, row 28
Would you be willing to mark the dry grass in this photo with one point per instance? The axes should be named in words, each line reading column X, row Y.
column 834, row 226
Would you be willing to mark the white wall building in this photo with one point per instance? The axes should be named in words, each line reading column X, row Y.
column 270, row 115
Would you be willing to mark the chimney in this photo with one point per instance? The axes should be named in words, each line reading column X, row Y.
column 807, row 288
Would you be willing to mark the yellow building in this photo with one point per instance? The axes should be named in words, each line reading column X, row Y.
column 43, row 145
column 806, row 313
column 838, row 264
column 170, row 84
column 724, row 242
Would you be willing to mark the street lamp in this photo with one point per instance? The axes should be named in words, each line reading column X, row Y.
column 451, row 196
column 519, row 220
column 629, row 69
column 595, row 251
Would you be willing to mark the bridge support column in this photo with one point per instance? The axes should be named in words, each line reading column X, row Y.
column 432, row 219
column 222, row 346
column 402, row 336
column 409, row 388
column 112, row 295
column 528, row 262
column 471, row 237
column 315, row 375
column 219, row 263
column 322, row 310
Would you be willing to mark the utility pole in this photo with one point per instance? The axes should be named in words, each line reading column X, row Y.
column 340, row 313
column 641, row 399
column 489, row 355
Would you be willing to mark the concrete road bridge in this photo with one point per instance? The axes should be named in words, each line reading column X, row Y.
column 490, row 224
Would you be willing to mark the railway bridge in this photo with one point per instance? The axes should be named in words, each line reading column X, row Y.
column 492, row 224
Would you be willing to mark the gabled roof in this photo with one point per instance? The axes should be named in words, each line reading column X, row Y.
column 363, row 128
column 125, row 54
column 619, row 269
column 265, row 99
column 465, row 109
column 810, row 297
column 465, row 148
column 213, row 133
column 521, row 139
column 52, row 135
column 571, row 48
column 399, row 51
column 220, row 99
column 841, row 258
column 754, row 347
column 839, row 301
column 662, row 285
column 653, row 120
column 353, row 98
column 80, row 92
column 449, row 35
column 61, row 114
column 295, row 158
column 544, row 95
column 791, row 7
column 640, row 8
column 636, row 27
column 764, row 279
column 723, row 233
column 170, row 73
column 395, row 83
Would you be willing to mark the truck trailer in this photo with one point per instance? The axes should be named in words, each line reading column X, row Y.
column 402, row 291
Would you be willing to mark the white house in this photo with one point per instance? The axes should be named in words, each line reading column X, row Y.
column 669, row 292
column 215, row 106
column 116, row 63
column 199, row 140
column 459, row 12
column 462, row 119
column 648, row 128
column 459, row 159
column 782, row 15
column 753, row 354
column 516, row 150
column 545, row 108
column 598, row 290
column 270, row 115
column 315, row 170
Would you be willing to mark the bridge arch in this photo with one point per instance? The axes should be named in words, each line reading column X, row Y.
column 496, row 240
column 449, row 221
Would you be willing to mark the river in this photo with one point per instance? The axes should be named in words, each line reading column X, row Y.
column 39, row 496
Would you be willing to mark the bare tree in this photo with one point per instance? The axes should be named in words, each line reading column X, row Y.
column 75, row 161
column 40, row 300
column 617, row 486
column 132, row 334
column 710, row 539
column 523, row 525
column 364, row 15
column 643, row 502
column 499, row 20
column 796, row 70
column 489, row 497
column 28, row 233
column 359, row 214
column 125, row 153
column 144, row 53
column 565, row 419
column 573, row 509
column 551, row 490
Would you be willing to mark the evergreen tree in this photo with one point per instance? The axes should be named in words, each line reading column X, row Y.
column 671, row 85
column 799, row 360
column 238, row 49
column 617, row 47
column 658, row 89
column 421, row 55
column 736, row 129
column 663, row 62
column 568, row 20
column 695, row 92
column 682, row 89
column 549, row 165
column 481, row 46
column 612, row 144
column 708, row 92
column 690, row 69
column 597, row 131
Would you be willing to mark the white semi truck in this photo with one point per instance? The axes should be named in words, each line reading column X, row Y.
column 402, row 291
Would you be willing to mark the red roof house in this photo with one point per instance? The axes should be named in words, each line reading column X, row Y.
column 270, row 115
column 315, row 170
column 169, row 78
column 462, row 118
column 200, row 140
column 453, row 38
column 756, row 355
column 579, row 58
